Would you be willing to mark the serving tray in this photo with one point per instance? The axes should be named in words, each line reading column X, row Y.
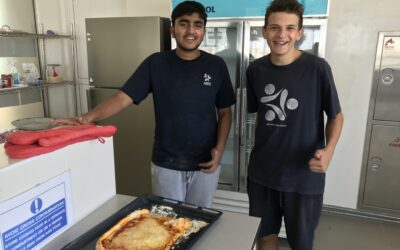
column 88, row 240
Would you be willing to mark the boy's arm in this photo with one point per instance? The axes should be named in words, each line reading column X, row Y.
column 224, row 125
column 320, row 162
column 105, row 109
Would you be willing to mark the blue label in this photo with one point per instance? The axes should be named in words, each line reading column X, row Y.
column 33, row 231
column 251, row 8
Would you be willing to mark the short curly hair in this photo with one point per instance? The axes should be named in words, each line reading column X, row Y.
column 288, row 6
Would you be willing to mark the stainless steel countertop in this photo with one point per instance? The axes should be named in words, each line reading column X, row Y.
column 231, row 231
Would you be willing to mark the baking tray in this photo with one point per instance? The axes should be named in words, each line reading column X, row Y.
column 88, row 240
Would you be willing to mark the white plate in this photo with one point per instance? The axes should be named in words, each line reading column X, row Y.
column 35, row 123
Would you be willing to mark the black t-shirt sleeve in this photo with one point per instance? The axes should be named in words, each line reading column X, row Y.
column 330, row 99
column 138, row 86
column 225, row 95
column 252, row 104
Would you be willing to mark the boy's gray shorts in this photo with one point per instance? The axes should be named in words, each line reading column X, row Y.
column 194, row 187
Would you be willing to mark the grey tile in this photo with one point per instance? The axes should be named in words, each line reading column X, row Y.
column 392, row 234
column 342, row 232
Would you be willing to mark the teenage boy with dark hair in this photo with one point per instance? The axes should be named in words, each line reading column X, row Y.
column 192, row 95
column 290, row 90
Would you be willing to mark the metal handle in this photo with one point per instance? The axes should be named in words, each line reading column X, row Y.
column 237, row 112
column 42, row 54
column 375, row 167
column 46, row 101
column 243, row 114
column 88, row 99
column 376, row 162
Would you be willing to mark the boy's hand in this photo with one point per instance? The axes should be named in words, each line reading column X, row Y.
column 320, row 162
column 79, row 120
column 211, row 166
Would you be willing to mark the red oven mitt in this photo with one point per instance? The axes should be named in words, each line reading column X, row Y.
column 25, row 144
column 74, row 134
column 31, row 137
column 25, row 151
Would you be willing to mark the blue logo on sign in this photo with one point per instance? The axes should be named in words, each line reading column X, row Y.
column 36, row 205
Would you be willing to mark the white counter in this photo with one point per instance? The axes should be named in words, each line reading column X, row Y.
column 90, row 165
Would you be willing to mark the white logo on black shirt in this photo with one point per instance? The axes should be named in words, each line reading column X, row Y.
column 277, row 110
column 207, row 79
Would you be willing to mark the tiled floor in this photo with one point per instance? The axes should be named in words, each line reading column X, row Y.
column 343, row 232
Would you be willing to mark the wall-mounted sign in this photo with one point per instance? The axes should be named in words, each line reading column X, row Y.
column 30, row 219
column 254, row 8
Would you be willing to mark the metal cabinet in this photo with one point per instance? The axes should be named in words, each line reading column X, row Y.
column 380, row 177
column 383, row 168
column 387, row 103
column 19, row 103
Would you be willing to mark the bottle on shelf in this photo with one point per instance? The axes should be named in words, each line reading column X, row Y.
column 14, row 74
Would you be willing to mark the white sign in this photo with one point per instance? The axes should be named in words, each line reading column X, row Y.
column 31, row 219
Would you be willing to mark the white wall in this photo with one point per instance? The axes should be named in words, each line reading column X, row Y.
column 353, row 27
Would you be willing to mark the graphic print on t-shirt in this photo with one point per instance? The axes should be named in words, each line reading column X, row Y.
column 207, row 79
column 276, row 103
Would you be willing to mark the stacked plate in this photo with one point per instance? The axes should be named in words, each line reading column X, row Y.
column 35, row 123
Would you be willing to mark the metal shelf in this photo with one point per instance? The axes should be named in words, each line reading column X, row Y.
column 31, row 35
column 44, row 85
column 6, row 31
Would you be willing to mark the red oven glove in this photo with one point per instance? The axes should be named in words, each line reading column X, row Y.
column 71, row 135
column 25, row 151
column 31, row 137
column 24, row 144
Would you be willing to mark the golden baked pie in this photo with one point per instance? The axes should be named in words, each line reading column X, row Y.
column 143, row 230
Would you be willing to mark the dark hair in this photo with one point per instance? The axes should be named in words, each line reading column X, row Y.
column 188, row 8
column 288, row 6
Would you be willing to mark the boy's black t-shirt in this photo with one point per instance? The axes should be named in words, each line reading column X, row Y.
column 290, row 102
column 186, row 95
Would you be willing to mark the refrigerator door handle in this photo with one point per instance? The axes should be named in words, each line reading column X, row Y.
column 243, row 113
column 88, row 98
column 237, row 111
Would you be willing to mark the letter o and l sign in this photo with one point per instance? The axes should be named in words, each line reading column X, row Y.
column 210, row 9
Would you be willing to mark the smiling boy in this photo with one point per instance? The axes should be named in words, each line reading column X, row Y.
column 290, row 90
column 192, row 95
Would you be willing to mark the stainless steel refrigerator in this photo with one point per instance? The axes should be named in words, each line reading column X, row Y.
column 238, row 42
column 116, row 46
